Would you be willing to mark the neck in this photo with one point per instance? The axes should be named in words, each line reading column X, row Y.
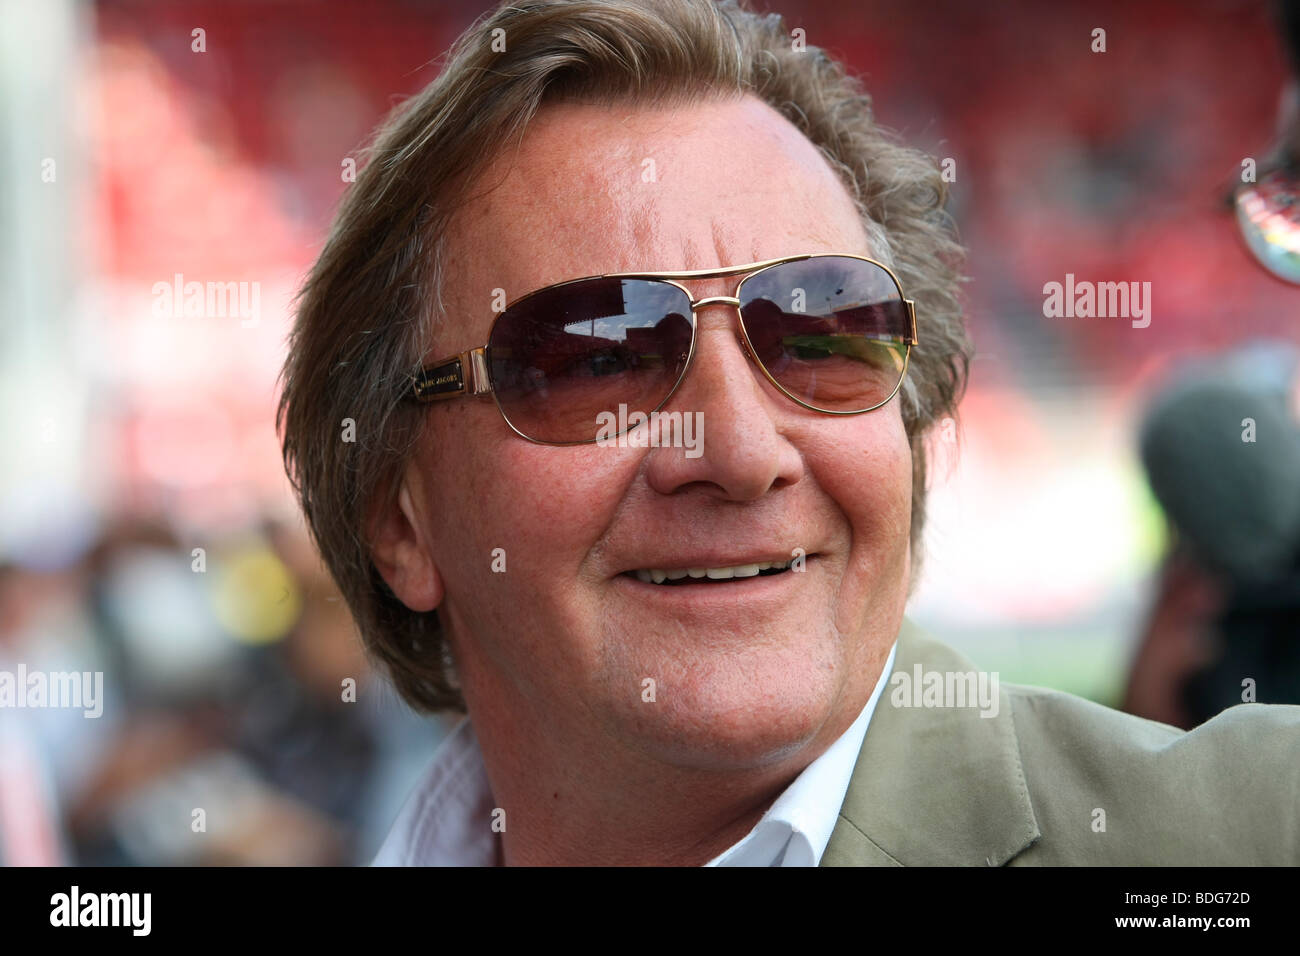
column 582, row 786
column 626, row 808
column 623, row 812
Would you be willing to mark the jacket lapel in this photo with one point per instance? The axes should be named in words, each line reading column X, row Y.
column 933, row 786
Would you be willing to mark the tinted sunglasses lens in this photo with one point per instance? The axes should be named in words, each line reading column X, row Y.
column 832, row 330
column 561, row 357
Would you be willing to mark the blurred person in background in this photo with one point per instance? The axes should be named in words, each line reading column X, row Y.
column 1221, row 448
column 1220, row 444
column 188, row 680
column 233, row 690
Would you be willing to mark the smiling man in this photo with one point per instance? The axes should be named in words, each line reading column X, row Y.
column 673, row 658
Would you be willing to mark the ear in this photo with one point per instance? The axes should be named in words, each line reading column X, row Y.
column 399, row 544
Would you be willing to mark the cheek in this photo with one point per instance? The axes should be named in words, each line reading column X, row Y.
column 889, row 457
column 867, row 472
column 544, row 505
column 561, row 499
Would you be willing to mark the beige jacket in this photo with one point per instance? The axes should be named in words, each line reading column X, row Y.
column 1053, row 779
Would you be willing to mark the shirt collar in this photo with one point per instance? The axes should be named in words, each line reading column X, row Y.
column 446, row 820
column 798, row 825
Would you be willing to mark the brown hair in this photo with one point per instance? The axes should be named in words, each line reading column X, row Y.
column 366, row 312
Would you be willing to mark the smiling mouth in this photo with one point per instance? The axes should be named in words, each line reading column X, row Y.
column 669, row 578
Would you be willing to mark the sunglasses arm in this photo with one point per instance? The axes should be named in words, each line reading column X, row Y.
column 464, row 374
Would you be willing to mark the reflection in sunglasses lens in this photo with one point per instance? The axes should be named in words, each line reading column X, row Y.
column 1268, row 213
column 833, row 331
column 564, row 355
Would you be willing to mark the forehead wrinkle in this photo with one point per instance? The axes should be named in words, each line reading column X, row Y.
column 606, row 238
column 561, row 213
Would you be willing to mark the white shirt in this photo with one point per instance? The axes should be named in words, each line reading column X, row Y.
column 447, row 819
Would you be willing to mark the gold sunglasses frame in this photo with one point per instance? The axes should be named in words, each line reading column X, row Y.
column 467, row 372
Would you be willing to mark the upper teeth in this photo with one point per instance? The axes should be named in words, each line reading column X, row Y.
column 656, row 576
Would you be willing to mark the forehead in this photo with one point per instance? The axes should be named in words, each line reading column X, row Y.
column 616, row 188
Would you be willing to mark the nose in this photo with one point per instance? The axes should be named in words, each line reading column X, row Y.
column 742, row 451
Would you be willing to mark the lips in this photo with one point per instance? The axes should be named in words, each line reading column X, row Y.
column 705, row 574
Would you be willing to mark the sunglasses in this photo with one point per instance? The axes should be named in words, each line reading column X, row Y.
column 832, row 332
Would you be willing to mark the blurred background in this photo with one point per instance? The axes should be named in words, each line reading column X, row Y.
column 1091, row 527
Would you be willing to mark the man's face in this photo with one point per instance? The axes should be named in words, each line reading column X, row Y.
column 746, row 671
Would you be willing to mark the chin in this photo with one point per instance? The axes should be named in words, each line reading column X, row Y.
column 737, row 714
